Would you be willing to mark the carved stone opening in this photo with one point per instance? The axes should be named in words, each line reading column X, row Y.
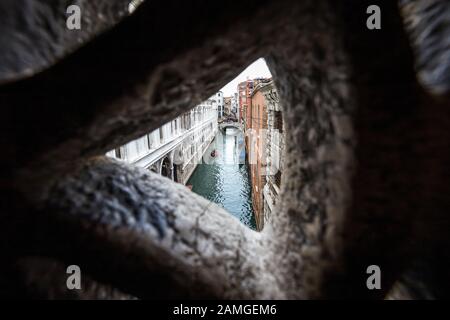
column 365, row 163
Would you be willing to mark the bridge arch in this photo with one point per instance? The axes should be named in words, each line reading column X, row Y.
column 225, row 125
column 155, row 167
column 167, row 167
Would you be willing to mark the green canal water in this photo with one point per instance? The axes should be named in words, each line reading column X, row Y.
column 224, row 179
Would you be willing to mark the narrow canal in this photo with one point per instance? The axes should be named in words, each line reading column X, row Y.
column 224, row 178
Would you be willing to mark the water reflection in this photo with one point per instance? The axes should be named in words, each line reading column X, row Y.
column 223, row 177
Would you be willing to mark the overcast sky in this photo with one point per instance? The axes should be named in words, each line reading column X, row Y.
column 255, row 70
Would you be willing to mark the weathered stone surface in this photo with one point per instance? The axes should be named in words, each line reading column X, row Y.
column 365, row 157
column 46, row 278
column 428, row 26
column 34, row 35
column 148, row 226
column 160, row 77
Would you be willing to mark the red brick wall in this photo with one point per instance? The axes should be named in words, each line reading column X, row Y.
column 258, row 120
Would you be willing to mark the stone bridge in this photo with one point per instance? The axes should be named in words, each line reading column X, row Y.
column 231, row 124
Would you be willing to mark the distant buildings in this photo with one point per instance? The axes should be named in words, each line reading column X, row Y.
column 220, row 104
column 244, row 90
column 227, row 106
column 235, row 105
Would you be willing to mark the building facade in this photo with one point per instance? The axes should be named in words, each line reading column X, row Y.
column 174, row 149
column 256, row 148
column 244, row 88
column 220, row 104
column 245, row 91
column 227, row 101
column 235, row 105
column 275, row 148
column 265, row 143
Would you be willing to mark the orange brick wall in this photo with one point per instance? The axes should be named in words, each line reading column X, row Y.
column 257, row 118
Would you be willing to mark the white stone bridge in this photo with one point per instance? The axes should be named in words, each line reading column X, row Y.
column 231, row 124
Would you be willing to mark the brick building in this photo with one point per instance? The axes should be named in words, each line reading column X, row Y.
column 256, row 149
column 264, row 142
column 227, row 102
column 244, row 90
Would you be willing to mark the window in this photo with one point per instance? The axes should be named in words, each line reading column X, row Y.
column 149, row 140
column 278, row 121
column 278, row 179
column 118, row 153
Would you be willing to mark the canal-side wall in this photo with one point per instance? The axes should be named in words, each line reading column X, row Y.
column 256, row 126
column 194, row 161
column 174, row 149
column 264, row 144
